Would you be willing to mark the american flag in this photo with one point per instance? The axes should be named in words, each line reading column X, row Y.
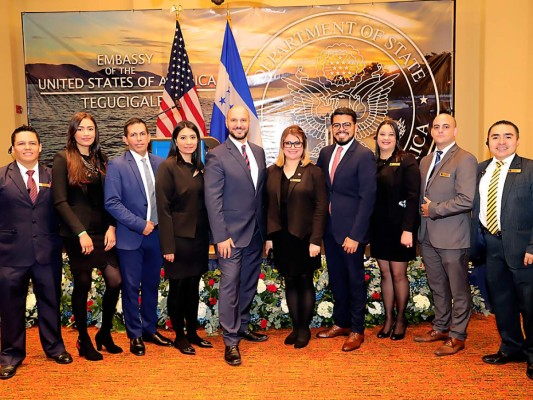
column 180, row 99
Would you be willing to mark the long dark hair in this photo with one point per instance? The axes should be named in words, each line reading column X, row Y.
column 174, row 152
column 396, row 154
column 78, row 173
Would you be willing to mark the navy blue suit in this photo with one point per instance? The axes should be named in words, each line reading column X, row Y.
column 139, row 255
column 352, row 196
column 30, row 248
column 509, row 282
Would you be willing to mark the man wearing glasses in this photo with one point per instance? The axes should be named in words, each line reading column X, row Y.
column 350, row 171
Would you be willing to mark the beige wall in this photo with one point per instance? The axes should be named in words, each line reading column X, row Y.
column 493, row 55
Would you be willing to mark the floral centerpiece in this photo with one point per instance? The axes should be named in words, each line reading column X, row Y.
column 269, row 307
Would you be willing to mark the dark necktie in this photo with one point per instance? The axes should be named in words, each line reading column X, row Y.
column 32, row 187
column 151, row 191
column 245, row 156
column 437, row 162
column 492, row 196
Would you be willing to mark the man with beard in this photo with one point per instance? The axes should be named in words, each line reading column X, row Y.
column 235, row 173
column 350, row 171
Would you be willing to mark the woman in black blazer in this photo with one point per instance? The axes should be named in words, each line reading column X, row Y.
column 296, row 219
column 394, row 225
column 88, row 231
column 183, row 232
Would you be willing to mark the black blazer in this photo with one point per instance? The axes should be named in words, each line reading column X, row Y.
column 180, row 203
column 399, row 181
column 307, row 203
column 28, row 232
column 77, row 212
column 516, row 213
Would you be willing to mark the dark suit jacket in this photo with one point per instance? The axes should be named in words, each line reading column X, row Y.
column 73, row 205
column 307, row 202
column 180, row 203
column 451, row 191
column 126, row 199
column 516, row 212
column 233, row 204
column 29, row 232
column 353, row 192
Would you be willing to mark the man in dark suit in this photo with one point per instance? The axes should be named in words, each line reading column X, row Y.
column 448, row 179
column 235, row 174
column 130, row 199
column 30, row 248
column 350, row 171
column 503, row 231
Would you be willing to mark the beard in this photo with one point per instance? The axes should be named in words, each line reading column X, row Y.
column 342, row 142
column 234, row 136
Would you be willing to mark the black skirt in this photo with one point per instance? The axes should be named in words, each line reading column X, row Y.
column 99, row 258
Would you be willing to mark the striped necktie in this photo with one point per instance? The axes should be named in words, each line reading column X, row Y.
column 32, row 186
column 246, row 160
column 492, row 218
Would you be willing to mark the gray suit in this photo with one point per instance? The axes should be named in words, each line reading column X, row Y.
column 235, row 210
column 510, row 284
column 445, row 237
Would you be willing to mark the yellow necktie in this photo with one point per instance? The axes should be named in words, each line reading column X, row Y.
column 492, row 218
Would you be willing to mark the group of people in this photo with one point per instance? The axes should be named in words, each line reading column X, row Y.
column 130, row 215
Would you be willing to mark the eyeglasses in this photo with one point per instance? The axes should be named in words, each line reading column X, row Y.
column 345, row 125
column 296, row 145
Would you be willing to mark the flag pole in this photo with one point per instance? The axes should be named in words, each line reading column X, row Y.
column 228, row 16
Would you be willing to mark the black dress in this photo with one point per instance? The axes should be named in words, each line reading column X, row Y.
column 291, row 254
column 396, row 208
column 89, row 200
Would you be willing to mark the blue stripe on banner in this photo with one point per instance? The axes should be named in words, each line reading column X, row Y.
column 218, row 125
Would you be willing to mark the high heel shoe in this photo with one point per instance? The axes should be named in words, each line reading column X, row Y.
column 291, row 338
column 86, row 349
column 399, row 336
column 383, row 335
column 105, row 339
column 304, row 335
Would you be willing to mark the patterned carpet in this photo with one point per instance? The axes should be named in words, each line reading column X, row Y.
column 380, row 369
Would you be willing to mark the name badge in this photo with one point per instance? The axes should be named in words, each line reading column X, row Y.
column 46, row 185
column 295, row 180
column 515, row 171
column 444, row 174
column 394, row 164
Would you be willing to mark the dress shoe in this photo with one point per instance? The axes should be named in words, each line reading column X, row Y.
column 500, row 358
column 184, row 346
column 158, row 339
column 353, row 342
column 86, row 349
column 451, row 346
column 332, row 332
column 104, row 339
column 431, row 336
column 8, row 371
column 302, row 340
column 198, row 341
column 232, row 355
column 291, row 338
column 529, row 370
column 137, row 346
column 253, row 336
column 63, row 358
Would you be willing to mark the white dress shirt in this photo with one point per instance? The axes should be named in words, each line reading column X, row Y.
column 25, row 176
column 254, row 169
column 137, row 157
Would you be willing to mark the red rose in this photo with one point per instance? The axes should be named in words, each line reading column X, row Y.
column 261, row 276
column 211, row 282
column 89, row 304
column 212, row 301
column 162, row 273
column 263, row 323
column 367, row 277
column 375, row 296
column 272, row 288
column 72, row 319
column 168, row 323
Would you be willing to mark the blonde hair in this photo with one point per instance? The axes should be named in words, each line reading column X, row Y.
column 296, row 131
